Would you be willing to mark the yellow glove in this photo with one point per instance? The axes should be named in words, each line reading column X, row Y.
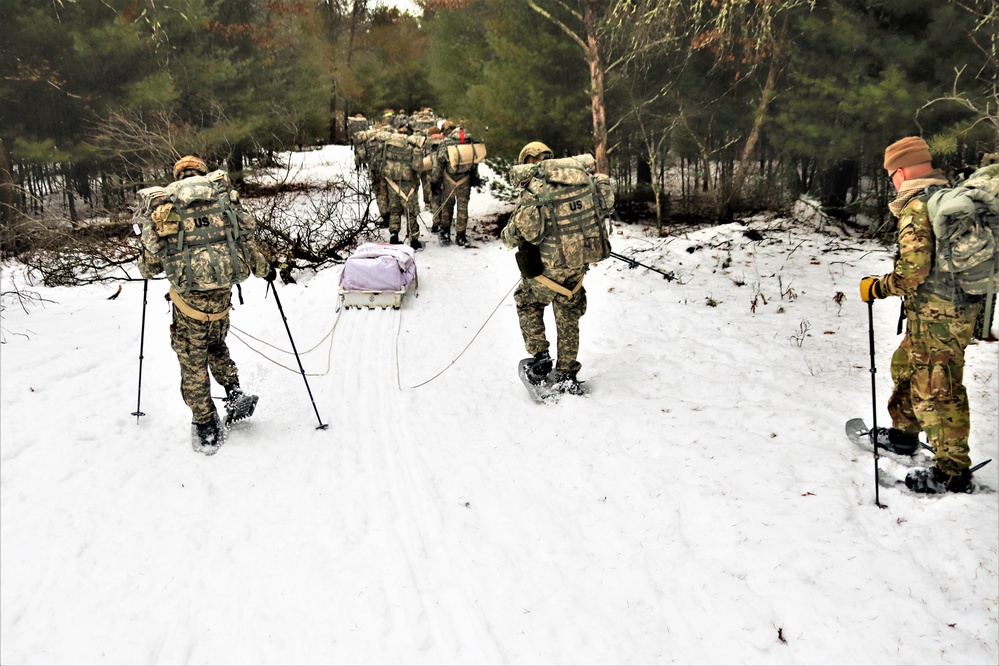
column 871, row 288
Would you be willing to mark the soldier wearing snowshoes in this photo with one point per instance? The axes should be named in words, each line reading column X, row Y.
column 551, row 268
column 197, row 232
column 928, row 367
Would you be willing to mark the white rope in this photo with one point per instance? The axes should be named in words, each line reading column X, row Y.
column 455, row 359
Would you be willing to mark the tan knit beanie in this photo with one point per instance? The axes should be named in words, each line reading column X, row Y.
column 907, row 152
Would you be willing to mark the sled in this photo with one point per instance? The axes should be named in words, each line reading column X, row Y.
column 377, row 275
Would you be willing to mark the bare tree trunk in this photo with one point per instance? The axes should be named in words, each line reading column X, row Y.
column 769, row 89
column 8, row 193
column 591, row 51
column 599, row 111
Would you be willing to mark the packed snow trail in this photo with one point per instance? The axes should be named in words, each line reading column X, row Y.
column 400, row 518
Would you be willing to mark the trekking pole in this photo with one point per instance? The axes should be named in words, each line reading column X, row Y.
column 669, row 277
column 142, row 343
column 874, row 402
column 321, row 426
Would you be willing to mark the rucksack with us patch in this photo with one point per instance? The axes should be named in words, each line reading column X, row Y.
column 402, row 158
column 204, row 239
column 575, row 203
column 965, row 222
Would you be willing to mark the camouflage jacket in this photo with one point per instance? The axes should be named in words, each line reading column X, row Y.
column 914, row 263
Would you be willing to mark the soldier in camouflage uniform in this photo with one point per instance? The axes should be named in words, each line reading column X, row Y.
column 543, row 285
column 456, row 187
column 374, row 143
column 402, row 153
column 432, row 189
column 201, row 317
column 928, row 367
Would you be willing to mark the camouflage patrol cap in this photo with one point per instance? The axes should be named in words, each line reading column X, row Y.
column 534, row 149
column 189, row 163
column 907, row 152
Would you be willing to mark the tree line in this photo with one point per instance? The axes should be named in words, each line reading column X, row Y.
column 698, row 108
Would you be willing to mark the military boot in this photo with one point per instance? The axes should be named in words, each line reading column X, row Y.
column 897, row 441
column 934, row 480
column 460, row 240
column 565, row 382
column 540, row 367
column 207, row 437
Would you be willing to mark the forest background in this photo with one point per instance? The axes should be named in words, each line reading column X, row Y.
column 702, row 110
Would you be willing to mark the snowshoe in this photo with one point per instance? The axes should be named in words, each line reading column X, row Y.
column 239, row 406
column 208, row 437
column 890, row 440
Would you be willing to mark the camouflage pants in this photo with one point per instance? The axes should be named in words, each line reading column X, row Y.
column 532, row 297
column 436, row 201
column 428, row 199
column 201, row 347
column 379, row 189
column 455, row 193
column 928, row 371
column 404, row 202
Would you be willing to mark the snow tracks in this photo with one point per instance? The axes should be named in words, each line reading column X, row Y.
column 398, row 521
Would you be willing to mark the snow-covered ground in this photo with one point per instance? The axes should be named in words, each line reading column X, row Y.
column 701, row 505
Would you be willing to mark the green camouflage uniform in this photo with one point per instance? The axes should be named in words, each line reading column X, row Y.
column 200, row 346
column 456, row 188
column 403, row 190
column 527, row 224
column 373, row 148
column 432, row 189
column 928, row 367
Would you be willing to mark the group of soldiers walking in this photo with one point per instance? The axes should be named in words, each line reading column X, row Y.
column 404, row 153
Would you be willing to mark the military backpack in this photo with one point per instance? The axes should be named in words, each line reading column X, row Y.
column 206, row 239
column 399, row 157
column 965, row 222
column 575, row 203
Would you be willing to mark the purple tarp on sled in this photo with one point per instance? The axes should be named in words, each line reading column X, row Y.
column 377, row 267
